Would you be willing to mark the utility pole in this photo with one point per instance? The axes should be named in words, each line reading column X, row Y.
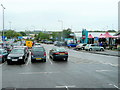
column 3, row 22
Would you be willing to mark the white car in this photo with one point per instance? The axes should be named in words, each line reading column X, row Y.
column 80, row 46
column 90, row 47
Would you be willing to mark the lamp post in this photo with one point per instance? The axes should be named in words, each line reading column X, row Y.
column 3, row 22
column 61, row 24
column 61, row 28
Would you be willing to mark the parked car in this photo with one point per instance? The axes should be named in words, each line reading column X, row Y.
column 49, row 42
column 58, row 53
column 17, row 55
column 90, row 47
column 25, row 47
column 58, row 43
column 80, row 46
column 37, row 44
column 3, row 55
column 72, row 45
column 38, row 54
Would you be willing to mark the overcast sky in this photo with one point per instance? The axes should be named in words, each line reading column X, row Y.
column 45, row 14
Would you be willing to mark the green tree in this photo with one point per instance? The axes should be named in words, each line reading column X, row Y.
column 23, row 33
column 66, row 33
column 12, row 34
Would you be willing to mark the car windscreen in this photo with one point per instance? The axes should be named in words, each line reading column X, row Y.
column 0, row 52
column 17, row 51
column 37, row 49
column 61, row 50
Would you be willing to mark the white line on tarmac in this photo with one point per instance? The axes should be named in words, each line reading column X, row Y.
column 67, row 87
column 2, row 64
column 49, row 60
column 103, row 70
column 114, row 86
column 29, row 58
column 38, row 73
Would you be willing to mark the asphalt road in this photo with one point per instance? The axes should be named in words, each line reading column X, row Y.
column 83, row 70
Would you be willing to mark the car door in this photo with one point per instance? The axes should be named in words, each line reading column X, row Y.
column 5, row 54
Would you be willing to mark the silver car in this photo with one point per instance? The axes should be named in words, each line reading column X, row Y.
column 90, row 47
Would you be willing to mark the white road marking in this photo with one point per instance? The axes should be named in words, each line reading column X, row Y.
column 67, row 87
column 38, row 73
column 115, row 86
column 2, row 64
column 49, row 60
column 115, row 65
column 29, row 58
column 103, row 70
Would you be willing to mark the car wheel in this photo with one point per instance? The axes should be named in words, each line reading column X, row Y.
column 53, row 59
column 23, row 62
column 32, row 61
column 90, row 49
column 9, row 63
column 65, row 59
column 101, row 49
column 44, row 60
column 3, row 60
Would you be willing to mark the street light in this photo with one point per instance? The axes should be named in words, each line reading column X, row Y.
column 3, row 22
column 61, row 28
column 61, row 24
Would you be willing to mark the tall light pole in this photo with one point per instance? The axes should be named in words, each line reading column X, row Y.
column 61, row 28
column 10, row 25
column 3, row 22
column 61, row 24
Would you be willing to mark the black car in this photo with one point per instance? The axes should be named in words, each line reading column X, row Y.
column 38, row 54
column 19, row 55
column 58, row 54
column 3, row 55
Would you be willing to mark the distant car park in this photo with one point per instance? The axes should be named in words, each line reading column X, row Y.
column 58, row 54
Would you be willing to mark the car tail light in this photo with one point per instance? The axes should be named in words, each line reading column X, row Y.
column 31, row 53
column 66, row 52
column 1, row 56
column 44, row 53
column 57, row 53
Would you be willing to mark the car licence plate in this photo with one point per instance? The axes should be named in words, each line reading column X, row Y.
column 62, row 54
column 38, row 58
column 14, row 59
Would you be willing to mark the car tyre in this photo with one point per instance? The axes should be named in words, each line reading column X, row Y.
column 32, row 61
column 44, row 60
column 9, row 63
column 101, row 49
column 90, row 49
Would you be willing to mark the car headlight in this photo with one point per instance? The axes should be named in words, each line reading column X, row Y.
column 20, row 57
column 8, row 57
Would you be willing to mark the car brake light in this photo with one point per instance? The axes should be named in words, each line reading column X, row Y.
column 1, row 56
column 57, row 53
column 44, row 53
column 66, row 52
column 31, row 53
